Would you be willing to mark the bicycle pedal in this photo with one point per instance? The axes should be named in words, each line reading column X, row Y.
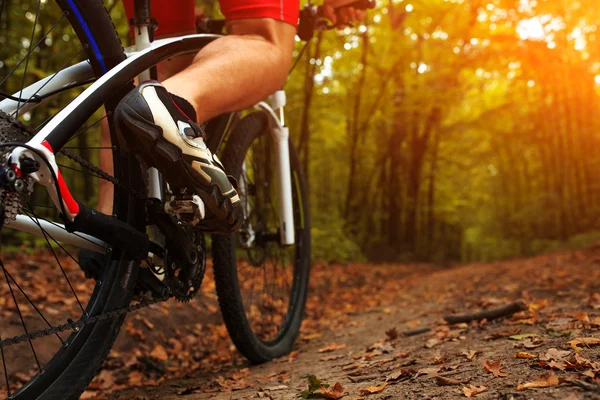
column 189, row 210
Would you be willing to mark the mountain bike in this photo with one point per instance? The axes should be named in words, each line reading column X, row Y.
column 58, row 326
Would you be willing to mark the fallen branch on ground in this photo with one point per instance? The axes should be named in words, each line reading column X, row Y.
column 588, row 387
column 494, row 313
column 416, row 331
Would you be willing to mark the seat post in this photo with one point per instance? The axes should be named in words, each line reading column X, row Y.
column 143, row 17
column 144, row 26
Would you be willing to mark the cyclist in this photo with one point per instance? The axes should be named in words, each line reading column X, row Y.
column 161, row 120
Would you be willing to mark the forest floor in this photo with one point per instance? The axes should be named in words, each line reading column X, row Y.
column 355, row 335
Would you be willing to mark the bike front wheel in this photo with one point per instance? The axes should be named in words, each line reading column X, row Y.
column 261, row 284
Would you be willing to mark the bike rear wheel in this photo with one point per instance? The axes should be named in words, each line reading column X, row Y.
column 63, row 363
column 261, row 284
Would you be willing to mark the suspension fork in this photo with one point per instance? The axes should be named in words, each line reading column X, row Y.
column 280, row 135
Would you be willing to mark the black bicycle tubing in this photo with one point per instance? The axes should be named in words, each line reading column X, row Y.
column 96, row 31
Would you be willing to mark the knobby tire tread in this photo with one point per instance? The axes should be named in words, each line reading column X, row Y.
column 225, row 263
column 74, row 380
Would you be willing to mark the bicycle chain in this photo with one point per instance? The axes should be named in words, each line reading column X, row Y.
column 85, row 320
column 103, row 175
column 75, row 326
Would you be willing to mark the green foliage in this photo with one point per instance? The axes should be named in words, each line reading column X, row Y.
column 443, row 130
column 314, row 385
column 331, row 241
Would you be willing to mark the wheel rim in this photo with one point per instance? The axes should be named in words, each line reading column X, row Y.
column 33, row 295
column 269, row 274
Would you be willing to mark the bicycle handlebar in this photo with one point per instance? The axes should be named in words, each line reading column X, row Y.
column 310, row 19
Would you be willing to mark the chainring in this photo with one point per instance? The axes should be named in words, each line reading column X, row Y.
column 184, row 284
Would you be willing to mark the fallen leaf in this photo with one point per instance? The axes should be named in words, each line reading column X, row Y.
column 524, row 354
column 373, row 389
column 590, row 341
column 533, row 343
column 413, row 324
column 432, row 342
column 331, row 358
column 148, row 324
column 472, row 390
column 293, row 355
column 314, row 385
column 275, row 388
column 427, row 371
column 523, row 336
column 560, row 365
column 399, row 374
column 547, row 380
column 443, row 381
column 159, row 353
column 503, row 333
column 582, row 316
column 470, row 354
column 555, row 354
column 332, row 347
column 335, row 392
column 392, row 334
column 495, row 368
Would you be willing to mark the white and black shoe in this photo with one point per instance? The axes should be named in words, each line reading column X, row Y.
column 156, row 127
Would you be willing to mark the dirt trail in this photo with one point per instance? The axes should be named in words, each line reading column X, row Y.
column 353, row 335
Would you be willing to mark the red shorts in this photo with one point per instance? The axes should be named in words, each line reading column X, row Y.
column 182, row 18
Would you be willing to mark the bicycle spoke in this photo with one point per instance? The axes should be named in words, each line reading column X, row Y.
column 30, row 302
column 54, row 240
column 79, row 170
column 58, row 261
column 30, row 52
column 2, row 352
column 37, row 14
column 46, row 83
column 58, row 226
column 88, row 127
column 20, row 316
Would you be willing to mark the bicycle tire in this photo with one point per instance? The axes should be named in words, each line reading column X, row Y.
column 72, row 368
column 227, row 281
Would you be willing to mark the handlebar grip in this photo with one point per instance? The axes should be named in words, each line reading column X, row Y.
column 361, row 5
column 357, row 4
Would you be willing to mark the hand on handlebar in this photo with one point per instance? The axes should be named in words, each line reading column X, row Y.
column 342, row 16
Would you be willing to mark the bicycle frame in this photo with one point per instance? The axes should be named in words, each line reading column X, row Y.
column 52, row 137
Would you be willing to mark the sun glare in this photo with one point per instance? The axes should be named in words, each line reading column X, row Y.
column 531, row 29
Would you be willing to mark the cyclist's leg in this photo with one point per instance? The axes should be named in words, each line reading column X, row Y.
column 173, row 21
column 229, row 74
column 238, row 70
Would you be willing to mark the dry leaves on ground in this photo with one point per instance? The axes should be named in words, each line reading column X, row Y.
column 494, row 368
column 373, row 389
column 589, row 341
column 470, row 354
column 335, row 392
column 443, row 381
column 524, row 354
column 472, row 390
column 332, row 347
column 547, row 380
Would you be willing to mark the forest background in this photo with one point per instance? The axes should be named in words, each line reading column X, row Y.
column 439, row 130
